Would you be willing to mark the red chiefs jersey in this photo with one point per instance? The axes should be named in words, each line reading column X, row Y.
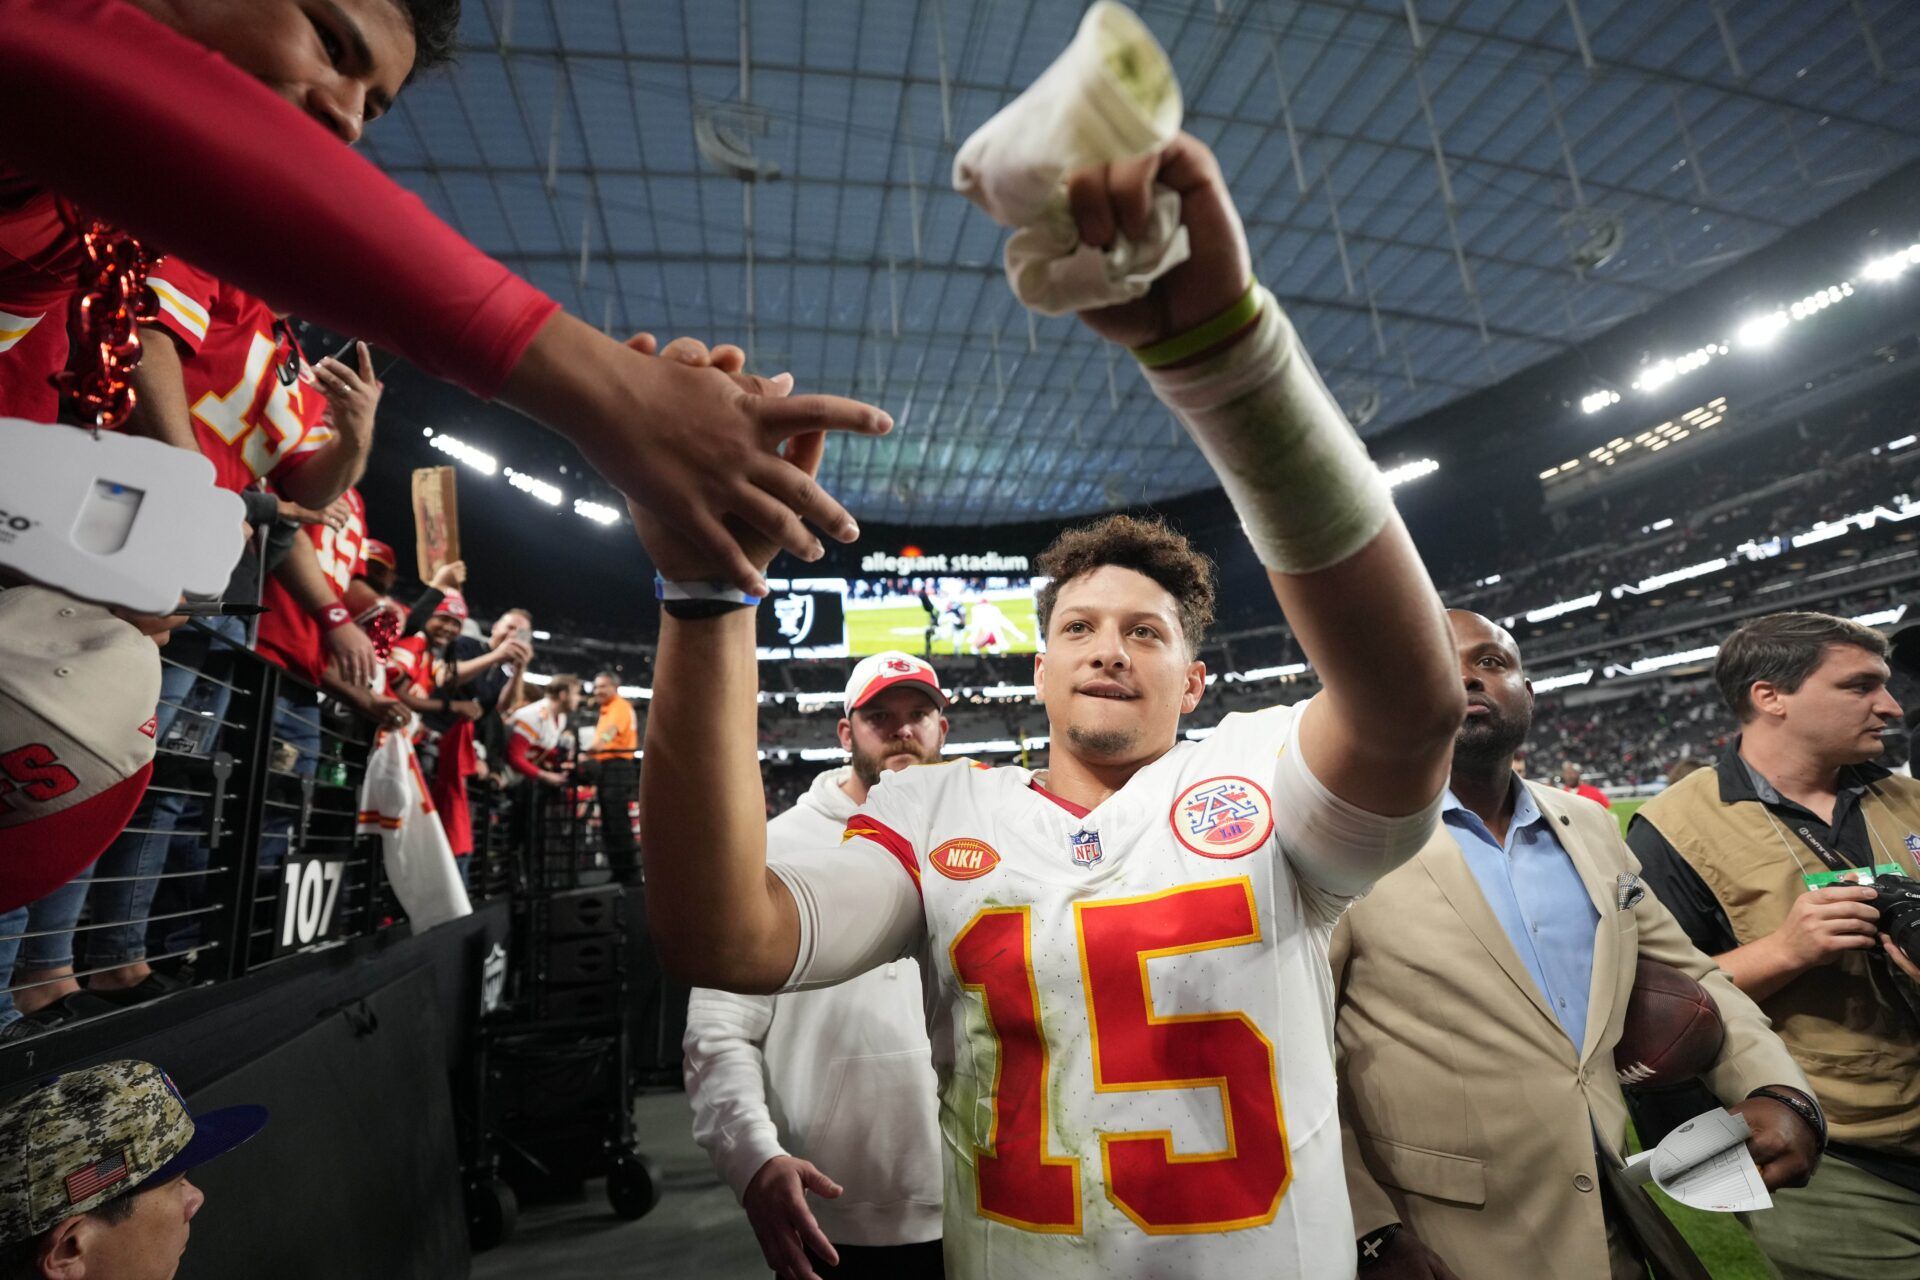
column 289, row 637
column 414, row 667
column 39, row 265
column 257, row 411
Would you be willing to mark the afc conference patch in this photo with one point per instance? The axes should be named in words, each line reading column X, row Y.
column 1222, row 817
column 1086, row 847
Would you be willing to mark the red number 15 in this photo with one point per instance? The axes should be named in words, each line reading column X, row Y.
column 1134, row 1048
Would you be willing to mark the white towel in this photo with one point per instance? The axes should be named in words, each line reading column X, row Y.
column 1110, row 96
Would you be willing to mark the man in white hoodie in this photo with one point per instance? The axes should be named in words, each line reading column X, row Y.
column 840, row 1079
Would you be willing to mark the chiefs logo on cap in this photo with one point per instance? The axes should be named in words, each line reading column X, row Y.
column 964, row 859
column 899, row 664
column 1222, row 817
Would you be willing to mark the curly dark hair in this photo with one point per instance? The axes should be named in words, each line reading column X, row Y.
column 1147, row 547
column 436, row 26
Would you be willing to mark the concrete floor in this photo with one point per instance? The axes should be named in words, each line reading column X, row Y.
column 696, row 1230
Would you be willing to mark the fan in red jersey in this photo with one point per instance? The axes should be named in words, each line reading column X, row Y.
column 421, row 673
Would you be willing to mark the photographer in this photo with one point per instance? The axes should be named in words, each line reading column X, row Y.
column 1791, row 863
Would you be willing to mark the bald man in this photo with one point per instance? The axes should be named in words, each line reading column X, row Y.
column 1481, row 989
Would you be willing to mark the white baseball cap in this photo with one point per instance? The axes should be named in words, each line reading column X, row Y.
column 885, row 670
column 78, row 690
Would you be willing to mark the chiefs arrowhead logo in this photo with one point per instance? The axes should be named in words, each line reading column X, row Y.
column 151, row 727
column 964, row 859
column 899, row 664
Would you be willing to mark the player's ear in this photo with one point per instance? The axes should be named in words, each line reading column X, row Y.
column 846, row 734
column 1196, row 685
column 1040, row 675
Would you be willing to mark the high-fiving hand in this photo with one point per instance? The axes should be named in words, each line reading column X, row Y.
column 709, row 452
column 679, row 555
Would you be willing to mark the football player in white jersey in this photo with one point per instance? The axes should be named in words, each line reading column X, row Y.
column 1128, row 991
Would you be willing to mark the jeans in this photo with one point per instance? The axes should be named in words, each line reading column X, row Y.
column 194, row 696
column 298, row 725
column 12, row 924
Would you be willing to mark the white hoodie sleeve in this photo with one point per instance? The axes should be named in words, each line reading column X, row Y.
column 726, row 1082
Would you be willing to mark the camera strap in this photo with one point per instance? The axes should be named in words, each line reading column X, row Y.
column 1835, row 860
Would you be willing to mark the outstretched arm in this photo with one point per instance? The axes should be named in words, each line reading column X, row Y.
column 1223, row 357
column 139, row 122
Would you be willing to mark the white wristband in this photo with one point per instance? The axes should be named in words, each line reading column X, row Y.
column 1298, row 477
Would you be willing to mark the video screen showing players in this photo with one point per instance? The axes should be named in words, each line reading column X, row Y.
column 942, row 616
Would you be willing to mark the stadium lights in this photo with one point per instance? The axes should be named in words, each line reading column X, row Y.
column 1672, row 576
column 478, row 459
column 1901, row 443
column 1549, row 683
column 1266, row 673
column 1881, row 270
column 1883, row 618
column 1553, row 611
column 598, row 512
column 547, row 493
column 1643, row 666
column 1406, row 471
column 1760, row 331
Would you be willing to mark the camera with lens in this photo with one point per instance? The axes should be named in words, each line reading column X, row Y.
column 1898, row 898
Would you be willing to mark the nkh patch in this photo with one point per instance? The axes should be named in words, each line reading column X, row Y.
column 90, row 1180
column 1086, row 847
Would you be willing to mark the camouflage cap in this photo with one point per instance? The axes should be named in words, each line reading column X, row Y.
column 83, row 1138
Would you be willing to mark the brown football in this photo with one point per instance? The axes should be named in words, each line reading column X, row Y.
column 1672, row 1031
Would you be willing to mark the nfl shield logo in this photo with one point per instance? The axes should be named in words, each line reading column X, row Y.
column 1086, row 847
column 1913, row 843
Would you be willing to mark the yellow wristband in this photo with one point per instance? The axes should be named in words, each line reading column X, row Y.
column 1206, row 334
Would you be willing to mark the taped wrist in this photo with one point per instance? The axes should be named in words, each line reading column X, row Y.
column 332, row 617
column 1296, row 473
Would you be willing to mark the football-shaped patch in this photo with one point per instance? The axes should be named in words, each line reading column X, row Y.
column 1222, row 817
column 964, row 859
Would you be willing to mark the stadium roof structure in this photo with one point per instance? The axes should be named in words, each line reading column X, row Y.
column 1443, row 194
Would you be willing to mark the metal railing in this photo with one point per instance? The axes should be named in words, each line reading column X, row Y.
column 245, row 850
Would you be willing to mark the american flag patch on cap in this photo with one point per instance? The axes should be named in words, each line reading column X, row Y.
column 90, row 1180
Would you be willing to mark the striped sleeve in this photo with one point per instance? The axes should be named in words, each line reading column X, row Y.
column 863, row 826
column 186, row 295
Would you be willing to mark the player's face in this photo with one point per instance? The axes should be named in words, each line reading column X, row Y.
column 1499, row 697
column 1116, row 676
column 340, row 61
column 891, row 730
column 1841, row 711
column 604, row 690
column 147, row 1244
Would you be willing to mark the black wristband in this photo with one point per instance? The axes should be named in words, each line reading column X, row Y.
column 694, row 610
column 1373, row 1245
column 1801, row 1106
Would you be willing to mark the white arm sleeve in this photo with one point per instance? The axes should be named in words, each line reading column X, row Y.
column 1336, row 849
column 859, row 908
column 726, row 1082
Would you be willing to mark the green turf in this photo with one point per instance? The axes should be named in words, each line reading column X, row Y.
column 1719, row 1239
column 904, row 626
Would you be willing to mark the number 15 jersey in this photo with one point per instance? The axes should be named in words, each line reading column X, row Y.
column 1130, row 1007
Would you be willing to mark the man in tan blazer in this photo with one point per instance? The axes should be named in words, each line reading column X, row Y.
column 1482, row 988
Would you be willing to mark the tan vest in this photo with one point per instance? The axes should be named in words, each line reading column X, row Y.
column 1846, row 1025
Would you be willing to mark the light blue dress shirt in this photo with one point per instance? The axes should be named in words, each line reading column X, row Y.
column 1539, row 899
